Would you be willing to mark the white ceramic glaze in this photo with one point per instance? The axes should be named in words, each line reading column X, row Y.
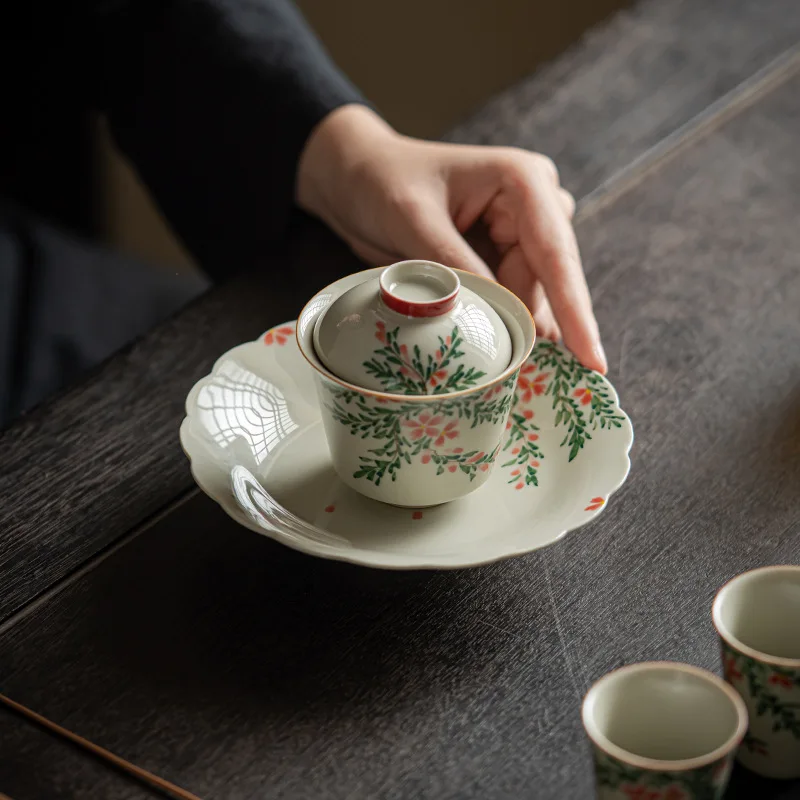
column 383, row 445
column 258, row 410
column 663, row 730
column 757, row 616
column 411, row 329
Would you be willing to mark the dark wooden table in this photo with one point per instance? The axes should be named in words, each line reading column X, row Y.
column 133, row 612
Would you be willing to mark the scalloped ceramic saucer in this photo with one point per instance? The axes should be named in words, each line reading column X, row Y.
column 255, row 440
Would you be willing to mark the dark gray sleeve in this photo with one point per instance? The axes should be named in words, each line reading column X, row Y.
column 213, row 101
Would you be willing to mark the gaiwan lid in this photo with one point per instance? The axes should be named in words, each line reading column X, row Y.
column 414, row 330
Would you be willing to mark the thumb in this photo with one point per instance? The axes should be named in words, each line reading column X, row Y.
column 430, row 234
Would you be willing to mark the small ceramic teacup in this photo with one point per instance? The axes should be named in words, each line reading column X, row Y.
column 663, row 731
column 757, row 616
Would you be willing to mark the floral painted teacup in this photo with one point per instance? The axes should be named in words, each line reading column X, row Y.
column 663, row 731
column 417, row 450
column 757, row 617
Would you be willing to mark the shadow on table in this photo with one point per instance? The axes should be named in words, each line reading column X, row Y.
column 207, row 611
column 746, row 785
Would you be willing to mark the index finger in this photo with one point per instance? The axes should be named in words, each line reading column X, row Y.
column 551, row 250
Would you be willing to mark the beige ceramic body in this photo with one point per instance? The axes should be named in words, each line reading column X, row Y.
column 757, row 616
column 449, row 443
column 458, row 342
column 663, row 730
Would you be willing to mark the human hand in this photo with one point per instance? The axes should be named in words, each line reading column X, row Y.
column 391, row 198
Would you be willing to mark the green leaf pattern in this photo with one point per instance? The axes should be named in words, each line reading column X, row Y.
column 403, row 371
column 582, row 402
column 773, row 695
column 633, row 783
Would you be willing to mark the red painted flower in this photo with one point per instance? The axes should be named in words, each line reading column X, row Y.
column 784, row 681
column 278, row 335
column 732, row 672
column 635, row 791
column 448, row 432
column 596, row 502
column 528, row 386
column 438, row 376
column 674, row 792
column 476, row 457
column 380, row 333
column 528, row 414
column 585, row 396
column 424, row 425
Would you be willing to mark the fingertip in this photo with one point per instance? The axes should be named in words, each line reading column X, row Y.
column 600, row 357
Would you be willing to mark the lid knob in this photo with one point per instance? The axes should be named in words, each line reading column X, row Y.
column 419, row 288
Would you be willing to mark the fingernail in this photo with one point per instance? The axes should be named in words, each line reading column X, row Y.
column 601, row 357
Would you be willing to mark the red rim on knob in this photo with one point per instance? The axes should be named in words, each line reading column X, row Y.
column 419, row 288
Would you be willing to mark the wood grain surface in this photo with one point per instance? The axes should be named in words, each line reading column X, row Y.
column 633, row 82
column 103, row 457
column 240, row 669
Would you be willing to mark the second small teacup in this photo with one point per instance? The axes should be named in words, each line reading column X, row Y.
column 757, row 616
column 663, row 731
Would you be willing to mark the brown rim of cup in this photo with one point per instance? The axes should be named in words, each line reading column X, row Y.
column 602, row 742
column 736, row 643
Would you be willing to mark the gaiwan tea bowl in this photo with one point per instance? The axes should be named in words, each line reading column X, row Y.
column 422, row 449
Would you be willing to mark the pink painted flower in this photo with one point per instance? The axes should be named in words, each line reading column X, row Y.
column 424, row 425
column 495, row 390
column 380, row 333
column 449, row 432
